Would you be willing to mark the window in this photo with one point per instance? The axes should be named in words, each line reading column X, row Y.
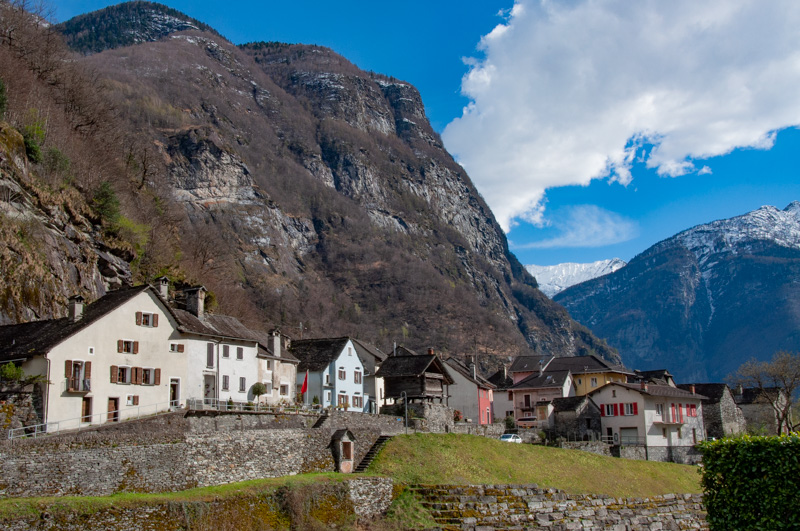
column 609, row 410
column 614, row 393
column 176, row 347
column 123, row 375
column 660, row 410
column 511, row 396
column 78, row 375
column 210, row 355
column 341, row 399
column 239, row 353
column 357, row 376
column 630, row 409
column 269, row 365
column 691, row 410
column 225, row 382
column 358, row 401
column 349, row 351
column 91, row 351
column 268, row 385
column 127, row 346
column 284, row 389
column 132, row 400
column 664, row 432
column 147, row 319
column 327, row 379
column 147, row 377
column 593, row 382
column 226, row 351
column 328, row 396
column 342, row 373
column 580, row 381
column 129, row 401
column 242, row 384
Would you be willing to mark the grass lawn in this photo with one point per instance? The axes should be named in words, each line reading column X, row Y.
column 468, row 459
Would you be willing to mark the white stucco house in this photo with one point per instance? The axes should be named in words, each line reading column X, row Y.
column 277, row 369
column 335, row 373
column 107, row 361
column 664, row 419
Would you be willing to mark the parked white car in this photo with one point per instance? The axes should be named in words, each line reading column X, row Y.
column 511, row 437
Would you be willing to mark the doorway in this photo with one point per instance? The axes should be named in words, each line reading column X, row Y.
column 210, row 386
column 113, row 410
column 174, row 392
column 86, row 409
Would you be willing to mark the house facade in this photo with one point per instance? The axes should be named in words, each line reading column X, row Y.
column 721, row 416
column 590, row 372
column 105, row 362
column 665, row 421
column 502, row 396
column 415, row 377
column 277, row 369
column 335, row 373
column 472, row 395
column 533, row 397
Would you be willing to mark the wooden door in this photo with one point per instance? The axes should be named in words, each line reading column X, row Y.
column 113, row 410
column 86, row 409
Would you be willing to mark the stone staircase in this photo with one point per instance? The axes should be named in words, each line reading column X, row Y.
column 377, row 447
column 321, row 420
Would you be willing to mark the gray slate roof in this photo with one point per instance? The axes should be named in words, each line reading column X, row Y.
column 655, row 390
column 568, row 403
column 529, row 363
column 585, row 365
column 713, row 391
column 365, row 349
column 407, row 363
column 465, row 371
column 316, row 354
column 547, row 380
column 23, row 341
column 501, row 380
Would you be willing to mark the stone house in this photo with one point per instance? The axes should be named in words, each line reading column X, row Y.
column 335, row 373
column 575, row 418
column 417, row 377
column 105, row 362
column 721, row 415
column 472, row 394
column 758, row 407
column 665, row 421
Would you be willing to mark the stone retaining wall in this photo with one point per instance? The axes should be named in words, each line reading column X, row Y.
column 484, row 430
column 473, row 507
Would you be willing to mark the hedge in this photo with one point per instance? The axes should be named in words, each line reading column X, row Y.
column 752, row 482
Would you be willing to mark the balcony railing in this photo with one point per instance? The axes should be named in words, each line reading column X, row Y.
column 78, row 385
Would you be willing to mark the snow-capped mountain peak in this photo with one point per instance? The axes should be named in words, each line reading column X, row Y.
column 556, row 278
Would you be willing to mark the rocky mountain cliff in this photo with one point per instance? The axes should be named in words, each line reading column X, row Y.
column 306, row 193
column 556, row 278
column 704, row 301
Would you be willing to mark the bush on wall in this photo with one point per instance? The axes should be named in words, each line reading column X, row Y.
column 752, row 482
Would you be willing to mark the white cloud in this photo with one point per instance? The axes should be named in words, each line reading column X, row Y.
column 586, row 226
column 570, row 91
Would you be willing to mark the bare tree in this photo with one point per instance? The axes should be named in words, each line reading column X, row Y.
column 776, row 381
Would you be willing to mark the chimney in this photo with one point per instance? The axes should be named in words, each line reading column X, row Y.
column 75, row 308
column 474, row 370
column 276, row 343
column 643, row 385
column 739, row 390
column 693, row 389
column 430, row 351
column 162, row 283
column 196, row 301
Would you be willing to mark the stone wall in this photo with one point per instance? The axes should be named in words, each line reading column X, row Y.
column 595, row 447
column 180, row 451
column 472, row 507
column 360, row 498
column 484, row 430
column 20, row 405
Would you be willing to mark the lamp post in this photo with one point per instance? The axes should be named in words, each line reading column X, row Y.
column 405, row 407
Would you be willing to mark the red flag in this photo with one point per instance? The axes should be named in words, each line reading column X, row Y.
column 305, row 385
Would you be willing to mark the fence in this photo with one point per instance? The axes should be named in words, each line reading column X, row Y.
column 93, row 420
column 216, row 404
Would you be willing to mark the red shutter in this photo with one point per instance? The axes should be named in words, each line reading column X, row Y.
column 135, row 400
column 157, row 377
column 616, row 410
column 135, row 347
column 68, row 369
column 138, row 318
column 119, row 345
column 602, row 410
column 180, row 348
column 635, row 408
column 155, row 320
column 87, row 370
column 114, row 370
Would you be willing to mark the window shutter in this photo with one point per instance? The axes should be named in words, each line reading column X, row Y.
column 635, row 408
column 621, row 409
column 180, row 348
column 157, row 377
column 616, row 410
column 139, row 374
column 138, row 318
column 155, row 320
column 135, row 347
column 68, row 369
column 87, row 370
column 114, row 370
column 135, row 400
column 119, row 345
column 602, row 410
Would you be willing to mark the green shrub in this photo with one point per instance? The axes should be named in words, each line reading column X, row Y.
column 106, row 204
column 752, row 482
column 10, row 372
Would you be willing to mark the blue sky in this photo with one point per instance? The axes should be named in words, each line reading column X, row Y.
column 593, row 129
